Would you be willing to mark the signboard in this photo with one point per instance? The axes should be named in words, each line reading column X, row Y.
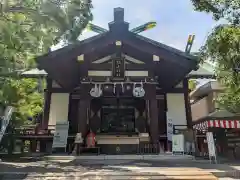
column 211, row 144
column 178, row 143
column 169, row 127
column 118, row 71
column 5, row 120
column 60, row 135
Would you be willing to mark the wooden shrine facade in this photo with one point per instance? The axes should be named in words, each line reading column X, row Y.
column 120, row 71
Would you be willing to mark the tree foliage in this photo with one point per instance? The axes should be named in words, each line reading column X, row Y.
column 223, row 47
column 228, row 9
column 28, row 29
column 192, row 84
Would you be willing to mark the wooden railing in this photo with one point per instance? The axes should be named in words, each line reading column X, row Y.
column 35, row 130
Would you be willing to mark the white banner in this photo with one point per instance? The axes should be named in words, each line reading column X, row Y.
column 60, row 135
column 178, row 143
column 169, row 127
column 211, row 145
column 5, row 120
column 78, row 138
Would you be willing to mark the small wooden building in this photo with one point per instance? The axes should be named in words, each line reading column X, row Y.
column 208, row 117
column 120, row 85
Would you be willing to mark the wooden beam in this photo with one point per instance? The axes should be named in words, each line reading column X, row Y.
column 108, row 66
column 173, row 90
column 158, row 91
column 109, row 73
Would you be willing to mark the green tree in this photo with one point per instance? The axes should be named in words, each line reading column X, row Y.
column 28, row 29
column 227, row 9
column 192, row 84
column 223, row 47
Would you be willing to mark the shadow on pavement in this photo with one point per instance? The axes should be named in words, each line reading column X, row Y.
column 22, row 168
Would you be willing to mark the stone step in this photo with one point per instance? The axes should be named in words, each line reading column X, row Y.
column 121, row 157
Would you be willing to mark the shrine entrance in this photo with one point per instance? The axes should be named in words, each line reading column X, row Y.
column 117, row 116
column 117, row 123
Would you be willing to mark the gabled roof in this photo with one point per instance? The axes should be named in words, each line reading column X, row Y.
column 62, row 65
column 221, row 113
column 33, row 73
column 206, row 70
column 205, row 89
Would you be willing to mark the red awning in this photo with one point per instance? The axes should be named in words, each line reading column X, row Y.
column 227, row 124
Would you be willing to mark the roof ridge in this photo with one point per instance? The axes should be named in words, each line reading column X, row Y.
column 156, row 43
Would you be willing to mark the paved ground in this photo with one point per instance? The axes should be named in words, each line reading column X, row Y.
column 116, row 169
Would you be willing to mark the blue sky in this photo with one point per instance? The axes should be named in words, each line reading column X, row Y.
column 175, row 19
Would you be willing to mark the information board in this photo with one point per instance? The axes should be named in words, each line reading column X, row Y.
column 60, row 135
column 178, row 143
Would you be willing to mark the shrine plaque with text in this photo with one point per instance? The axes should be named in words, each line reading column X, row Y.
column 118, row 70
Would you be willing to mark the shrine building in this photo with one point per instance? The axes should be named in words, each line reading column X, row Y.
column 120, row 85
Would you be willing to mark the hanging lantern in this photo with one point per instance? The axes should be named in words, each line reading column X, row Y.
column 108, row 89
column 96, row 91
column 138, row 91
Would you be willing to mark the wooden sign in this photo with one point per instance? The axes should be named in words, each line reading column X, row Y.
column 118, row 70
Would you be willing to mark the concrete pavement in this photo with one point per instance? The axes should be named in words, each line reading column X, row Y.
column 116, row 169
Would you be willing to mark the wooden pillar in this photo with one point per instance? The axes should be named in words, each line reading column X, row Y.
column 82, row 116
column 189, row 113
column 154, row 120
column 153, row 112
column 162, row 120
column 47, row 102
column 33, row 145
column 73, row 115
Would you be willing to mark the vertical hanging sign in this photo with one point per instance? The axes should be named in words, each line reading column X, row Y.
column 169, row 127
column 118, row 71
column 118, row 63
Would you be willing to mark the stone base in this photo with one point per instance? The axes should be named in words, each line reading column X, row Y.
column 160, row 157
column 115, row 149
column 58, row 150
